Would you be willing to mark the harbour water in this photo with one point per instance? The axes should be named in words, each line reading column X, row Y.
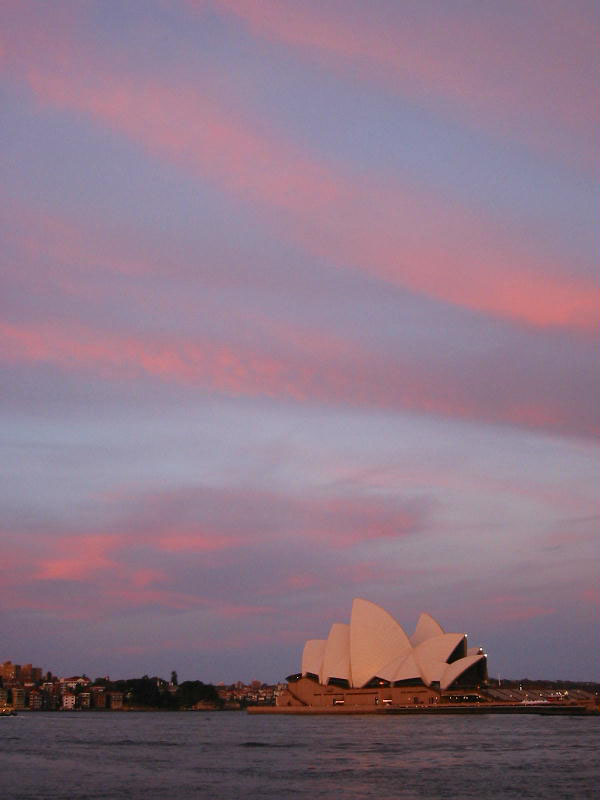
column 228, row 755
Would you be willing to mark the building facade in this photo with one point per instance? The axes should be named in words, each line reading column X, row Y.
column 372, row 661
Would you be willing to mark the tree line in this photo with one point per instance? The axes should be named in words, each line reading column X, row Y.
column 154, row 692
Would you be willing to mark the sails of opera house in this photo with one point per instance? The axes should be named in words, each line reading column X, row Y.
column 373, row 661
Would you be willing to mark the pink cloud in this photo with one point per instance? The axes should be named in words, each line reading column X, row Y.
column 591, row 596
column 197, row 542
column 233, row 611
column 326, row 375
column 194, row 131
column 500, row 80
column 454, row 255
column 352, row 576
column 127, row 597
column 102, row 562
column 72, row 260
column 144, row 577
column 564, row 496
column 117, row 571
column 78, row 557
column 512, row 609
column 401, row 234
column 74, row 347
column 352, row 520
column 304, row 581
column 231, row 518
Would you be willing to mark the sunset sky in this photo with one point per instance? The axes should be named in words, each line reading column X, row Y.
column 299, row 303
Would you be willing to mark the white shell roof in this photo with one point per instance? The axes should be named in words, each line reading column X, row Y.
column 375, row 639
column 427, row 627
column 454, row 670
column 405, row 668
column 375, row 645
column 336, row 658
column 389, row 671
column 438, row 648
column 312, row 656
column 432, row 654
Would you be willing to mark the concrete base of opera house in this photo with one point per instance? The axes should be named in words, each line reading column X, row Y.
column 306, row 696
column 463, row 708
column 306, row 692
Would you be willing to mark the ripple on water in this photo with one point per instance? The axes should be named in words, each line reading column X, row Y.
column 151, row 756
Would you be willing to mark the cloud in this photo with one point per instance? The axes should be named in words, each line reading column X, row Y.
column 78, row 557
column 513, row 609
column 502, row 81
column 156, row 552
column 300, row 370
column 230, row 518
column 404, row 234
column 196, row 541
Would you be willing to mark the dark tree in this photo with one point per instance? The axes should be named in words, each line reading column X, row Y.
column 191, row 692
column 144, row 692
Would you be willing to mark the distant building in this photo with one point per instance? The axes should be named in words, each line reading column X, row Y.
column 18, row 697
column 50, row 695
column 30, row 674
column 114, row 700
column 98, row 697
column 75, row 682
column 68, row 701
column 11, row 673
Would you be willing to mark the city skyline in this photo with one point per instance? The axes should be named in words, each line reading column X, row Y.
column 299, row 304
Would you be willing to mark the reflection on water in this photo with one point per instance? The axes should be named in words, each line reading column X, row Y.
column 79, row 756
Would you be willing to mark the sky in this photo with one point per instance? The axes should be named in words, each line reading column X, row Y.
column 299, row 303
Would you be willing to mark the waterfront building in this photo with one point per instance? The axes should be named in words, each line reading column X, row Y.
column 17, row 674
column 31, row 674
column 18, row 697
column 114, row 700
column 75, row 682
column 36, row 700
column 11, row 673
column 98, row 697
column 373, row 661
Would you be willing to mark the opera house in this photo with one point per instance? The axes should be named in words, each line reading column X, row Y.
column 372, row 661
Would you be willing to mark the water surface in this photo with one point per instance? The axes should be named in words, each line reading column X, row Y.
column 80, row 756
